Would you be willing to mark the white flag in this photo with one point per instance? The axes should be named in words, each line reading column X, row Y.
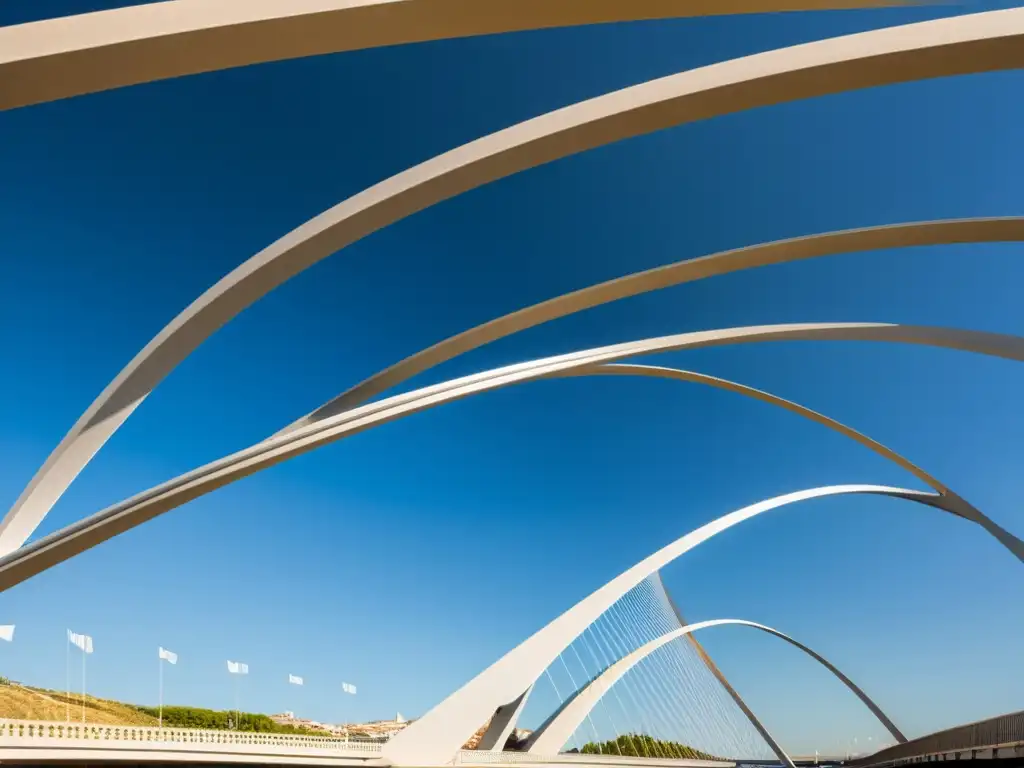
column 82, row 641
column 169, row 657
column 348, row 688
column 7, row 632
column 238, row 668
column 294, row 680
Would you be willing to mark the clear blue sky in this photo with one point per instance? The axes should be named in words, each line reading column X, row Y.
column 117, row 209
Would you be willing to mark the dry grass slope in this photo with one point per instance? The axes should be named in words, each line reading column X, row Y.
column 23, row 703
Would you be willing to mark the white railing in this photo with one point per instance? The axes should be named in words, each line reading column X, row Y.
column 483, row 757
column 138, row 737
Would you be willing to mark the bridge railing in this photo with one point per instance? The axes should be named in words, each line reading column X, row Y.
column 472, row 757
column 136, row 737
column 996, row 732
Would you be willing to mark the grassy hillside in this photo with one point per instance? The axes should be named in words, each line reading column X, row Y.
column 24, row 703
column 20, row 702
column 211, row 719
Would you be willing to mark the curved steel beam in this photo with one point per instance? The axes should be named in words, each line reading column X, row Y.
column 918, row 233
column 435, row 737
column 550, row 737
column 965, row 44
column 677, row 374
column 704, row 656
column 85, row 534
column 955, row 503
column 57, row 58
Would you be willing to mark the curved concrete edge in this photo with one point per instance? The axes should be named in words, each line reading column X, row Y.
column 73, row 55
column 705, row 657
column 550, row 737
column 434, row 738
column 34, row 558
column 904, row 235
column 960, row 45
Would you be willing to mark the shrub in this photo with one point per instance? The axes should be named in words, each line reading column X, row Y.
column 214, row 720
column 642, row 745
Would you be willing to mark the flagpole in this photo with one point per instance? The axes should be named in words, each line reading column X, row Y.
column 67, row 677
column 83, row 684
column 160, row 663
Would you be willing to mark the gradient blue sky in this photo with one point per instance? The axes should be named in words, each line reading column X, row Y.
column 117, row 209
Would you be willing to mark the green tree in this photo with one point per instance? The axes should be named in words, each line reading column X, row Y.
column 214, row 720
column 643, row 745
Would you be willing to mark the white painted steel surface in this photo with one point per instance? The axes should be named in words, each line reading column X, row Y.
column 973, row 43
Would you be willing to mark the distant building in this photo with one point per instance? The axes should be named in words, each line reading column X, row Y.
column 375, row 729
column 289, row 718
column 381, row 728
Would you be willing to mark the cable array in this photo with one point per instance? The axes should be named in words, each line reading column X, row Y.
column 670, row 696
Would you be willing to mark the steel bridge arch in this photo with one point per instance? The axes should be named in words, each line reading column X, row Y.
column 97, row 528
column 960, row 45
column 989, row 42
column 559, row 727
column 73, row 55
column 27, row 561
column 434, row 738
column 904, row 235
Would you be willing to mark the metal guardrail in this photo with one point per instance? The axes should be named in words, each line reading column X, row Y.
column 22, row 732
column 1003, row 732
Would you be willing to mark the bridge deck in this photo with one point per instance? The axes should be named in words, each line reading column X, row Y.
column 24, row 741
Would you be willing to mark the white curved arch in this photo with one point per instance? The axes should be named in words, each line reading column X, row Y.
column 955, row 503
column 550, row 737
column 85, row 534
column 960, row 45
column 633, row 369
column 678, row 374
column 62, row 57
column 434, row 738
column 906, row 235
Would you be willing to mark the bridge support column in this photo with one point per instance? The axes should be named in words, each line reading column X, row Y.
column 503, row 722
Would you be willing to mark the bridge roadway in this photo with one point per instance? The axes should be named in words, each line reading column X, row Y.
column 34, row 742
